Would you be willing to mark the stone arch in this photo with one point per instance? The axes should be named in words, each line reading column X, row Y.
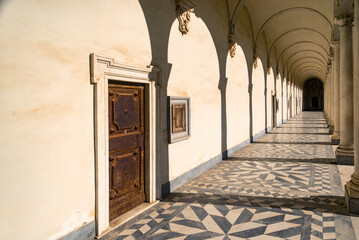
column 159, row 23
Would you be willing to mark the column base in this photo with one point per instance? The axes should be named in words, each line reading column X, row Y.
column 344, row 156
column 352, row 196
column 335, row 138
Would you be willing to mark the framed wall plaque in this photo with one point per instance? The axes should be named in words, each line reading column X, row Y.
column 178, row 118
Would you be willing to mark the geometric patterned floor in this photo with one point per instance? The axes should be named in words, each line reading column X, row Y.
column 295, row 138
column 268, row 190
column 277, row 151
column 299, row 130
column 262, row 178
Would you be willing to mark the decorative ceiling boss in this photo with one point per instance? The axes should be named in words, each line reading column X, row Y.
column 255, row 58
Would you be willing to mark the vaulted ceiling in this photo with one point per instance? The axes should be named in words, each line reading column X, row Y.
column 297, row 34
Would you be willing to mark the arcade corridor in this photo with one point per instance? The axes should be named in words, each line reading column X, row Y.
column 179, row 119
column 282, row 186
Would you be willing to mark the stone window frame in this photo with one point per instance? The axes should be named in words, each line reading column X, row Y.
column 176, row 136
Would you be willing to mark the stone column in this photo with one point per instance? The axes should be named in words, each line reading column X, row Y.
column 336, row 69
column 325, row 99
column 331, row 98
column 294, row 103
column 289, row 100
column 287, row 92
column 292, row 97
column 352, row 187
column 345, row 150
column 296, row 99
column 329, row 85
column 301, row 100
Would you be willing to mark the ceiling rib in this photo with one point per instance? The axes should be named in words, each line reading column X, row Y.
column 308, row 57
column 296, row 43
column 286, row 11
column 301, row 51
column 310, row 62
column 294, row 30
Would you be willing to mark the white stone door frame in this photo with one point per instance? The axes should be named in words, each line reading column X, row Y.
column 103, row 69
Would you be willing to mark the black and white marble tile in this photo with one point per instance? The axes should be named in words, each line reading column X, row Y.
column 263, row 192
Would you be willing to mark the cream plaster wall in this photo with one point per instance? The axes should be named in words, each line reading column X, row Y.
column 285, row 99
column 237, row 99
column 195, row 74
column 47, row 143
column 288, row 102
column 258, row 99
column 270, row 90
column 279, row 92
column 293, row 100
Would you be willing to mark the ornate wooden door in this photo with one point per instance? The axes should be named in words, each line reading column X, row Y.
column 126, row 126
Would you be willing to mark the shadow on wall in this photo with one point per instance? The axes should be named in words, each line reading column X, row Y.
column 159, row 20
column 159, row 25
column 313, row 95
column 222, row 52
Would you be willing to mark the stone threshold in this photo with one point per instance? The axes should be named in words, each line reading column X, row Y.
column 127, row 219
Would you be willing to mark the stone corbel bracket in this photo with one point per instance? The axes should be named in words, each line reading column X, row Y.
column 183, row 13
column 329, row 65
column 232, row 42
column 277, row 74
column 331, row 52
column 255, row 58
column 268, row 67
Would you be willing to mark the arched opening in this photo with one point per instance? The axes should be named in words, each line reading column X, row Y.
column 313, row 95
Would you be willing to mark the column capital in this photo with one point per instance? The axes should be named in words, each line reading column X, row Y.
column 344, row 20
column 329, row 66
column 335, row 44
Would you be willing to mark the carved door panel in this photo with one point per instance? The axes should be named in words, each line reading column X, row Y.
column 126, row 137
